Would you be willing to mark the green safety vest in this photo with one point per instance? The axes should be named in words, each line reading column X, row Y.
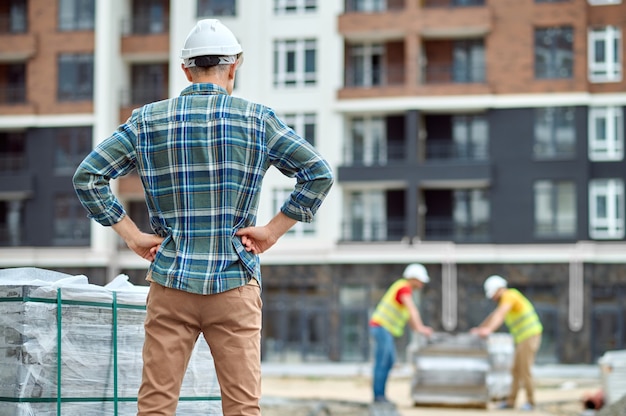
column 389, row 313
column 522, row 322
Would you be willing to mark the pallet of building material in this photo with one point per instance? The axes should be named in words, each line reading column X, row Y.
column 68, row 347
column 451, row 370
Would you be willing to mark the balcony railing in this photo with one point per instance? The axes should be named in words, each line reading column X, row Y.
column 12, row 162
column 143, row 25
column 446, row 229
column 448, row 150
column 12, row 25
column 374, row 155
column 450, row 73
column 393, row 229
column 143, row 95
column 377, row 77
column 13, row 95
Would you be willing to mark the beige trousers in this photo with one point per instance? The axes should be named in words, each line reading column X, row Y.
column 523, row 361
column 231, row 324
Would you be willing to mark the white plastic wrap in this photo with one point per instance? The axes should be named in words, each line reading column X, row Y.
column 90, row 383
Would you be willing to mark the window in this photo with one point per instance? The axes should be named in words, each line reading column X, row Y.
column 72, row 145
column 71, row 224
column 75, row 77
column 555, row 208
column 149, row 16
column 76, row 15
column 12, row 151
column 366, row 5
column 217, row 8
column 300, row 229
column 470, row 134
column 149, row 83
column 604, row 2
column 470, row 214
column 554, row 57
column 365, row 65
column 368, row 142
column 294, row 6
column 555, row 132
column 12, row 83
column 606, row 134
column 303, row 124
column 13, row 16
column 605, row 58
column 468, row 61
column 11, row 222
column 606, row 209
column 294, row 62
column 366, row 216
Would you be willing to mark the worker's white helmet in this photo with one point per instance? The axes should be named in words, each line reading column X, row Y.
column 416, row 271
column 493, row 284
column 209, row 37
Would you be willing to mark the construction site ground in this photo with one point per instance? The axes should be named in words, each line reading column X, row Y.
column 559, row 389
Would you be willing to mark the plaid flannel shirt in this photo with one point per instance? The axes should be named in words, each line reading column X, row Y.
column 201, row 158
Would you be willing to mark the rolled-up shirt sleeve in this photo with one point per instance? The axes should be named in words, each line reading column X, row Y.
column 112, row 158
column 295, row 157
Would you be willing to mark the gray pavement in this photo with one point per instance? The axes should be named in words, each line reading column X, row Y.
column 544, row 371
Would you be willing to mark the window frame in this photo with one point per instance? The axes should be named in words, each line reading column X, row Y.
column 554, row 118
column 611, row 226
column 79, row 65
column 204, row 9
column 296, row 53
column 556, row 209
column 612, row 148
column 290, row 7
column 73, row 16
column 75, row 220
column 610, row 69
column 554, row 63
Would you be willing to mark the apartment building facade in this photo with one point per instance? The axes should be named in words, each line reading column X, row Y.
column 476, row 136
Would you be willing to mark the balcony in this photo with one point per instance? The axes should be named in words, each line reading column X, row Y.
column 456, row 214
column 440, row 150
column 12, row 94
column 390, row 75
column 447, row 229
column 12, row 162
column 382, row 154
column 142, row 25
column 145, row 37
column 453, row 74
column 392, row 229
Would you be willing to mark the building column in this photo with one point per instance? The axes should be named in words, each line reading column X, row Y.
column 108, row 68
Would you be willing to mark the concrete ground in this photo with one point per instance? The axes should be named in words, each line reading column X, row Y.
column 559, row 389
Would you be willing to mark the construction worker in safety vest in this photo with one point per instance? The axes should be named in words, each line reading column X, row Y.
column 519, row 315
column 394, row 310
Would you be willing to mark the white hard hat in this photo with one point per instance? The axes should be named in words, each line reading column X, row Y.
column 493, row 284
column 209, row 37
column 416, row 271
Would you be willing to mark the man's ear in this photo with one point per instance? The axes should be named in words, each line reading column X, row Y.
column 187, row 73
column 231, row 71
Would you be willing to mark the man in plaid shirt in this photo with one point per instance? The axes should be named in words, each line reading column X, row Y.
column 201, row 158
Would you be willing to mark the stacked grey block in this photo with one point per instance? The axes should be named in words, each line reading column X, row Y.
column 461, row 370
column 91, row 345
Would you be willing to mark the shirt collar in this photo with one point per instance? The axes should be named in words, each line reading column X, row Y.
column 203, row 89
